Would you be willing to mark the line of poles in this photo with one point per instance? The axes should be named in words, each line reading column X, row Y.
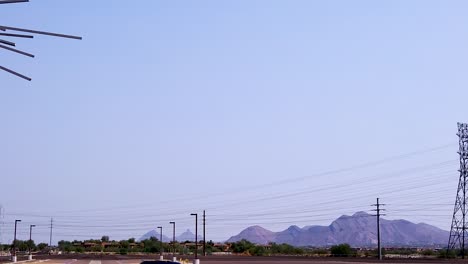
column 173, row 223
column 13, row 253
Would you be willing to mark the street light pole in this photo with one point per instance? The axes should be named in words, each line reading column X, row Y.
column 196, row 261
column 30, row 241
column 30, row 237
column 14, row 242
column 204, row 233
column 173, row 241
column 160, row 235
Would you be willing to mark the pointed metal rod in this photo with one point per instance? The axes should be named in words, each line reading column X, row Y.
column 16, row 35
column 13, row 1
column 40, row 32
column 7, row 42
column 15, row 73
column 17, row 51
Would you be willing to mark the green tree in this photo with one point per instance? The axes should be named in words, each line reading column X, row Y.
column 428, row 252
column 241, row 246
column 41, row 246
column 79, row 249
column 124, row 244
column 151, row 245
column 285, row 249
column 22, row 245
column 123, row 251
column 96, row 248
column 66, row 246
column 30, row 244
column 319, row 251
column 210, row 247
column 258, row 251
column 341, row 250
column 105, row 239
column 444, row 253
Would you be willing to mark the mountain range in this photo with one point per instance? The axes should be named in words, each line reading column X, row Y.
column 185, row 236
column 358, row 230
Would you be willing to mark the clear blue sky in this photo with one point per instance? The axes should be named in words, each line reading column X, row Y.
column 170, row 107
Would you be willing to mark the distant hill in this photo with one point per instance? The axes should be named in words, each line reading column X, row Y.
column 187, row 235
column 154, row 233
column 356, row 230
column 255, row 234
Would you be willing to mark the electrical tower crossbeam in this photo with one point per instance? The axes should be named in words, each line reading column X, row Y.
column 458, row 230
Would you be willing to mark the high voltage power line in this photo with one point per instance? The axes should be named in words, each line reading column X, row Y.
column 124, row 219
column 276, row 183
column 375, row 178
column 398, row 189
column 431, row 183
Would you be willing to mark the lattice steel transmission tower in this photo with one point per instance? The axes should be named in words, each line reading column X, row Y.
column 458, row 231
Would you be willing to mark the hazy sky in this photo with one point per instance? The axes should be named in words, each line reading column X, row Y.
column 166, row 108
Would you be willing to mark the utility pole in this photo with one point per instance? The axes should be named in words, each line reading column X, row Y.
column 458, row 231
column 379, row 244
column 204, row 233
column 51, row 227
column 196, row 261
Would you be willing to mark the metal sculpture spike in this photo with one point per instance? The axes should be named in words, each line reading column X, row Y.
column 6, row 37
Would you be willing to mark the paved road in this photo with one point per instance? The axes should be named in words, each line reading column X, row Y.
column 242, row 260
